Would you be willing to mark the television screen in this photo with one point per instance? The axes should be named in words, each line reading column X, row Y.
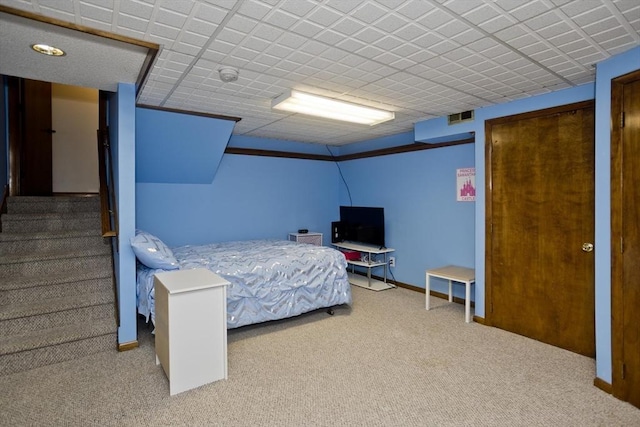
column 362, row 225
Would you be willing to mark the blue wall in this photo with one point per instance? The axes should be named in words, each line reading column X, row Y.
column 122, row 136
column 178, row 148
column 424, row 223
column 251, row 197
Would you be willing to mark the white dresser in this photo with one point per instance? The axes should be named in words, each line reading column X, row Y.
column 191, row 327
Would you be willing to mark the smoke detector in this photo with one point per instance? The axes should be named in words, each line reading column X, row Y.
column 228, row 74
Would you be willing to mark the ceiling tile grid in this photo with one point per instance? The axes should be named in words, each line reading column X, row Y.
column 418, row 58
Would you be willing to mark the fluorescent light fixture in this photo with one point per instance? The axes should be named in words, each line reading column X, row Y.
column 305, row 103
column 45, row 49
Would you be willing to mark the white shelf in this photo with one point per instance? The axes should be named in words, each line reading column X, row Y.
column 367, row 281
column 372, row 284
column 366, row 263
column 362, row 248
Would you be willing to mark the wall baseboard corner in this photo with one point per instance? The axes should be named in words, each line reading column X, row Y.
column 127, row 345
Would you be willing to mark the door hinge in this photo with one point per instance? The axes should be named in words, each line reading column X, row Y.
column 622, row 119
column 621, row 245
column 623, row 370
column 491, row 307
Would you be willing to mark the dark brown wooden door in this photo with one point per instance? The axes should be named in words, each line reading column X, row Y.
column 36, row 150
column 540, row 281
column 625, row 144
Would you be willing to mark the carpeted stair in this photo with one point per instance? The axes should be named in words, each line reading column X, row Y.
column 56, row 282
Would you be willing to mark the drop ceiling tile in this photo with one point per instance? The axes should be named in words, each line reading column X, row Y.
column 595, row 14
column 211, row 14
column 307, row 29
column 241, row 24
column 463, row 7
column 170, row 18
column 329, row 37
column 443, row 47
column 496, row 24
column 420, row 56
column 369, row 13
column 609, row 34
column 164, row 31
column 345, row 7
column 391, row 23
column 214, row 56
column 427, row 40
column 292, row 41
column 132, row 23
column 96, row 13
column 576, row 7
column 374, row 36
column 619, row 44
column 525, row 10
column 137, row 9
column 281, row 19
column 324, row 16
column 409, row 32
column 194, row 39
column 267, row 32
column 297, row 7
column 104, row 26
column 348, row 27
column 483, row 13
column 230, row 36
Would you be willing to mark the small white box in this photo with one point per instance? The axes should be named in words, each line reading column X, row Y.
column 311, row 238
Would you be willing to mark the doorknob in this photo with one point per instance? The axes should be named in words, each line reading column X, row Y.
column 51, row 131
column 587, row 247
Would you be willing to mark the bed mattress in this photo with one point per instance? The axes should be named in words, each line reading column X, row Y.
column 269, row 279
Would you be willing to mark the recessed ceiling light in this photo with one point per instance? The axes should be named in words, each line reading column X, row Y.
column 45, row 49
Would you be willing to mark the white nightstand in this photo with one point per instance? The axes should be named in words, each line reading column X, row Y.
column 310, row 237
column 452, row 273
column 191, row 327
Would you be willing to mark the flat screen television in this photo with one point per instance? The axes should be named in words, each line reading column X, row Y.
column 361, row 224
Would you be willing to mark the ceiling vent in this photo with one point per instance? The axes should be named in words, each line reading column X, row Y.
column 465, row 116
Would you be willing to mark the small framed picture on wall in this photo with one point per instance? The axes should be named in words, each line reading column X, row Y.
column 466, row 185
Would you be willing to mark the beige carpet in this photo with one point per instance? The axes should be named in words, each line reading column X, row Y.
column 383, row 362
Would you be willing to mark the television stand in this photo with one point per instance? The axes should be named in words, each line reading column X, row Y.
column 371, row 260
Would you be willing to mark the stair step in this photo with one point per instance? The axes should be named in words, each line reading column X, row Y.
column 48, row 241
column 81, row 315
column 36, row 222
column 20, row 204
column 54, row 336
column 51, row 305
column 69, row 289
column 45, row 263
column 65, row 351
column 57, row 301
column 22, row 282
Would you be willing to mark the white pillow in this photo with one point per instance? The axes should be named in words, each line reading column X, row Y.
column 152, row 251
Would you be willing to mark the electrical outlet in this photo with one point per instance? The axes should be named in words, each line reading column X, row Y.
column 392, row 261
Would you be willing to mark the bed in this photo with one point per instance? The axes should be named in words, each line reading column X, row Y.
column 269, row 279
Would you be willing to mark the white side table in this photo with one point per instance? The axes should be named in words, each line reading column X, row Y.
column 453, row 273
column 191, row 327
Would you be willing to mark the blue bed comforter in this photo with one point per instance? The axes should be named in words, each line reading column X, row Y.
column 269, row 279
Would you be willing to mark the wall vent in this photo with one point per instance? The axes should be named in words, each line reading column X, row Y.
column 465, row 116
